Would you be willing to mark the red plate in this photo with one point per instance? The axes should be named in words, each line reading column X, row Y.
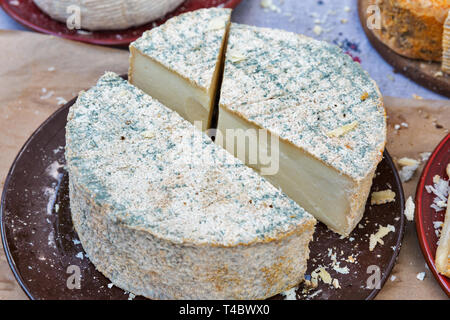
column 425, row 215
column 28, row 14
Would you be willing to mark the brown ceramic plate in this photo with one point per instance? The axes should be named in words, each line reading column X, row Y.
column 419, row 71
column 40, row 241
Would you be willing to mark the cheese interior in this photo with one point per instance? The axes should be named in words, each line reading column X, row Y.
column 188, row 86
column 191, row 102
column 320, row 189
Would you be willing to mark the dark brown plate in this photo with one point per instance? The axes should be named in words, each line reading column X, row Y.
column 422, row 72
column 40, row 242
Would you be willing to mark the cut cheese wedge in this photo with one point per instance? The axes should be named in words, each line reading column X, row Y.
column 313, row 120
column 179, row 63
column 165, row 213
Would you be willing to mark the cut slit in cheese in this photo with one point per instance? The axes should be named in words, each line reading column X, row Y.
column 314, row 90
column 180, row 63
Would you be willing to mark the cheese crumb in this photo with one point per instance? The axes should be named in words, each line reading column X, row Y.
column 148, row 134
column 324, row 275
column 217, row 24
column 48, row 95
column 407, row 162
column 342, row 130
column 336, row 284
column 290, row 294
column 236, row 57
column 60, row 100
column 269, row 5
column 409, row 209
column 420, row 276
column 317, row 30
column 409, row 167
column 436, row 179
column 425, row 156
column 382, row 197
column 377, row 237
column 406, row 173
column 415, row 96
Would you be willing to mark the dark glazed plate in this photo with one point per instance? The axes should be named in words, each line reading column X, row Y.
column 41, row 244
column 425, row 215
column 28, row 14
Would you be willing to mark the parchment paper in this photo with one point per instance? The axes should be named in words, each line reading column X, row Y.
column 38, row 71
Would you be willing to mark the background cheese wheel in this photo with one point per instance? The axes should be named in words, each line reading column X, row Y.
column 109, row 14
column 413, row 28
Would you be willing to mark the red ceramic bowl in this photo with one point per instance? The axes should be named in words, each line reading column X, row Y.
column 28, row 14
column 425, row 215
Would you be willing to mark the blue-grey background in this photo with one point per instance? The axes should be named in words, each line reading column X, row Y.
column 339, row 22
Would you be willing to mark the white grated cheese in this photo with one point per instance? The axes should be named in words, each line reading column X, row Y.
column 441, row 190
column 409, row 209
column 409, row 167
column 425, row 156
